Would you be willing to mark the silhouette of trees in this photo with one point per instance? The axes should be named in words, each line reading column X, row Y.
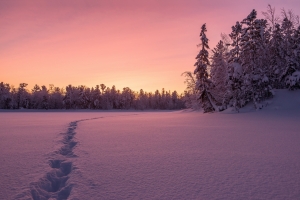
column 82, row 97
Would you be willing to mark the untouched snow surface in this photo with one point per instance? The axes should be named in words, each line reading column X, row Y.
column 153, row 155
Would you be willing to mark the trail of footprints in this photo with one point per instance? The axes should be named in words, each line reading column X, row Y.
column 54, row 185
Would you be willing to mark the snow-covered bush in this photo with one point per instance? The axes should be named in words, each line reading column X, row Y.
column 293, row 81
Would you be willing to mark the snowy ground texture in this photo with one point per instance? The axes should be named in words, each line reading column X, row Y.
column 153, row 155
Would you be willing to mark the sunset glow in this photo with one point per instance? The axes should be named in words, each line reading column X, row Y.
column 126, row 43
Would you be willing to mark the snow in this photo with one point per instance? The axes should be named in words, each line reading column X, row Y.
column 238, row 70
column 153, row 155
column 294, row 79
column 265, row 79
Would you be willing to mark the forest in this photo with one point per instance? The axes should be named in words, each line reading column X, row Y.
column 82, row 97
column 258, row 56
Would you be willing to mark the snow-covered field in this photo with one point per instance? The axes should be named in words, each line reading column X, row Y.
column 153, row 155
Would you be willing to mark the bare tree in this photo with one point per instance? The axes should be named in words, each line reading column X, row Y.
column 270, row 16
column 291, row 16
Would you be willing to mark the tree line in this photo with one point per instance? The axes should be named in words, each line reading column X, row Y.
column 82, row 97
column 258, row 56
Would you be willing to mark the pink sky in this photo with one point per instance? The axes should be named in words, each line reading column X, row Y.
column 126, row 43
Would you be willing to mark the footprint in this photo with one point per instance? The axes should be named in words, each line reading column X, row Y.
column 55, row 163
column 54, row 183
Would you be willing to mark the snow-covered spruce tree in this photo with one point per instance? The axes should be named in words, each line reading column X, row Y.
column 95, row 98
column 235, row 95
column 36, row 98
column 235, row 37
column 55, row 98
column 45, row 97
column 142, row 103
column 296, row 46
column 22, row 96
column 39, row 98
column 203, row 84
column 83, row 97
column 292, row 81
column 291, row 48
column 127, row 97
column 5, row 96
column 175, row 100
column 114, row 97
column 276, row 57
column 254, row 60
column 218, row 73
column 72, row 98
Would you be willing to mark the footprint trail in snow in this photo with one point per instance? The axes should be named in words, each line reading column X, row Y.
column 54, row 184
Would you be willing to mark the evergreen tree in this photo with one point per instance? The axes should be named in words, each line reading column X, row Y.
column 22, row 96
column 290, row 64
column 234, row 95
column 39, row 97
column 55, row 98
column 203, row 83
column 254, row 60
column 235, row 37
column 218, row 72
column 95, row 98
column 5, row 96
column 45, row 98
column 142, row 100
column 292, row 80
column 276, row 57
